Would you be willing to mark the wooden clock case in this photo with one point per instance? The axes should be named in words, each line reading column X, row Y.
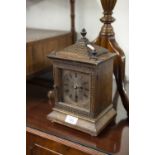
column 99, row 68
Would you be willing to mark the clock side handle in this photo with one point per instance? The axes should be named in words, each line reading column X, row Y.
column 51, row 96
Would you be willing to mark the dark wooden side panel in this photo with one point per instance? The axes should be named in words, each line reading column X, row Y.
column 40, row 146
column 29, row 65
column 38, row 56
column 37, row 51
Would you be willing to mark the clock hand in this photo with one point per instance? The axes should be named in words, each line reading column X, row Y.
column 75, row 86
column 79, row 87
column 76, row 96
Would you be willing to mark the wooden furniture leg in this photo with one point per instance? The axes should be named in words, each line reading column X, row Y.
column 107, row 40
column 72, row 10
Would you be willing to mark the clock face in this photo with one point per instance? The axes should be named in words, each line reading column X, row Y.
column 76, row 88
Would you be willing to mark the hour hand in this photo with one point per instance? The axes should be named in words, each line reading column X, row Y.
column 77, row 87
column 80, row 87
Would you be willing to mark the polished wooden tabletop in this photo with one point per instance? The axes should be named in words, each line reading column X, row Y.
column 114, row 139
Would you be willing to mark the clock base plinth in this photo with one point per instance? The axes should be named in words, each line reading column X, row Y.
column 84, row 124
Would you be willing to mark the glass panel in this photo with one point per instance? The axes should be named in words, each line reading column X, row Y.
column 76, row 89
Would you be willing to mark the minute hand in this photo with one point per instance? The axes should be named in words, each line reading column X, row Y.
column 79, row 87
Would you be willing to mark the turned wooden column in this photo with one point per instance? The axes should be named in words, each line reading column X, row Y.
column 72, row 10
column 107, row 40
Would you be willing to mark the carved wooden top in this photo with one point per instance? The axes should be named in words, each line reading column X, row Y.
column 83, row 51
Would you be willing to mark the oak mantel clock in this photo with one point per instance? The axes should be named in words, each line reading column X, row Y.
column 83, row 86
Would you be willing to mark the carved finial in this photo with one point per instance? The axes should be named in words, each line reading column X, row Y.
column 83, row 32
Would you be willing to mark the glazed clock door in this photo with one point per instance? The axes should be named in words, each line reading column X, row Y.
column 76, row 89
